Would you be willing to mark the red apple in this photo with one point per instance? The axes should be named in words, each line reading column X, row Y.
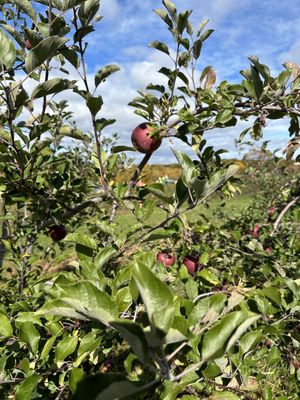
column 268, row 250
column 28, row 45
column 255, row 232
column 58, row 232
column 141, row 140
column 165, row 259
column 192, row 263
column 271, row 211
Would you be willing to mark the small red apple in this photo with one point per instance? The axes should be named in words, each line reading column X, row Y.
column 165, row 259
column 28, row 45
column 268, row 250
column 296, row 363
column 192, row 263
column 57, row 232
column 141, row 140
column 271, row 211
column 255, row 232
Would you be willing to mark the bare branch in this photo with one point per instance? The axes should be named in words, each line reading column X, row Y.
column 283, row 212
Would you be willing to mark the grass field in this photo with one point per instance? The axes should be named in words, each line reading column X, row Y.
column 230, row 207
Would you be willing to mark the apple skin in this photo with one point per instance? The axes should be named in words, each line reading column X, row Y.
column 58, row 232
column 28, row 45
column 165, row 259
column 255, row 232
column 192, row 263
column 142, row 142
column 268, row 250
column 271, row 211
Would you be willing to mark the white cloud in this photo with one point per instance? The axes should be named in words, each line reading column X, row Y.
column 243, row 28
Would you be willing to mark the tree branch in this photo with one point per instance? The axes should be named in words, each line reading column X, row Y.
column 283, row 212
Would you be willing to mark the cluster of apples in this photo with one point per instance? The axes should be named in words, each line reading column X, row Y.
column 191, row 261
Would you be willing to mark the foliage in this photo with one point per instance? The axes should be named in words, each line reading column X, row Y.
column 110, row 320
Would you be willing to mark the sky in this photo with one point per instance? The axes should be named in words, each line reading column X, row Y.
column 269, row 29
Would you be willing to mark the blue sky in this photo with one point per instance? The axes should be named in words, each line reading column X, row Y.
column 269, row 29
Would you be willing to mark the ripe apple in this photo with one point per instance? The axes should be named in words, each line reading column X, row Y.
column 271, row 211
column 141, row 140
column 57, row 232
column 28, row 45
column 255, row 232
column 192, row 263
column 268, row 250
column 165, row 259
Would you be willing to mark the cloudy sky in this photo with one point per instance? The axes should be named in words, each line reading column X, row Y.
column 269, row 29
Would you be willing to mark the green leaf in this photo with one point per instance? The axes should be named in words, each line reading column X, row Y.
column 156, row 295
column 59, row 307
column 13, row 32
column 215, row 182
column 47, row 347
column 27, row 8
column 105, row 72
column 65, row 347
column 134, row 335
column 74, row 133
column 189, row 171
column 184, row 58
column 202, row 26
column 55, row 85
column 88, row 343
column 84, row 244
column 88, row 10
column 183, row 20
column 7, row 51
column 104, row 255
column 249, row 340
column 164, row 16
column 251, row 318
column 182, row 192
column 159, row 88
column 67, row 4
column 86, row 299
column 30, row 335
column 218, row 339
column 224, row 116
column 71, row 56
column 108, row 387
column 223, row 396
column 76, row 375
column 282, row 79
column 257, row 82
column 160, row 46
column 82, row 32
column 197, row 46
column 261, row 68
column 46, row 49
column 94, row 104
column 6, row 329
column 24, row 391
column 170, row 7
column 120, row 149
column 158, row 189
column 206, row 34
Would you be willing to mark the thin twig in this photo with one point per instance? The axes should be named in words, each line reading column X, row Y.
column 47, row 64
column 283, row 212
